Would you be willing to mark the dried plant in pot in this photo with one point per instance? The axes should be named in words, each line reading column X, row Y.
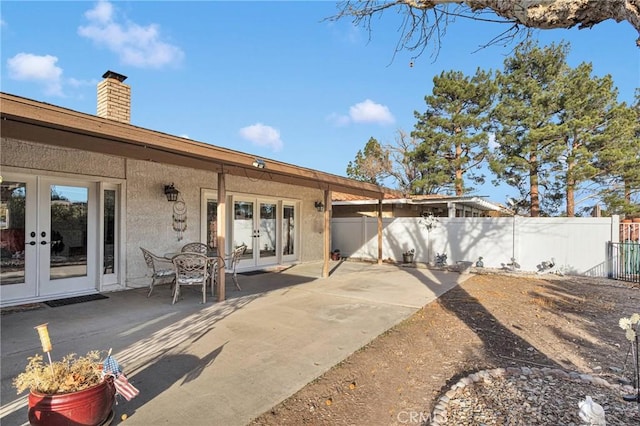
column 72, row 391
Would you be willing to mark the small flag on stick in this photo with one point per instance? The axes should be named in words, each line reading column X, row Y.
column 111, row 367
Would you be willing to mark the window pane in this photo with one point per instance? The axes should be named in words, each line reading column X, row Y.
column 212, row 223
column 267, row 230
column 13, row 196
column 68, row 231
column 288, row 230
column 243, row 226
column 109, row 231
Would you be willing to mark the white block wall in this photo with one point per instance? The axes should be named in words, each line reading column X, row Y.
column 578, row 245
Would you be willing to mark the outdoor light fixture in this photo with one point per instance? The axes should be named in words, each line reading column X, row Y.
column 258, row 163
column 319, row 206
column 171, row 192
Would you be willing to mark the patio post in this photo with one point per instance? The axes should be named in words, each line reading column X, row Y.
column 380, row 231
column 222, row 233
column 327, row 233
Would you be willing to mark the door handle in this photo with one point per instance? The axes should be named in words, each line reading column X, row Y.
column 31, row 243
column 44, row 243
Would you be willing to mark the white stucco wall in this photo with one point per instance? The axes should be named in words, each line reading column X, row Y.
column 148, row 221
column 48, row 158
column 149, row 215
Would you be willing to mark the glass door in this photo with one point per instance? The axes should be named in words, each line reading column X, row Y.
column 289, row 232
column 244, row 230
column 267, row 233
column 47, row 238
column 268, row 228
column 18, row 242
column 67, row 237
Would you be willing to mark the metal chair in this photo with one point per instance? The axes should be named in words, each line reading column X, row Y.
column 191, row 269
column 215, row 262
column 161, row 268
column 234, row 259
column 195, row 248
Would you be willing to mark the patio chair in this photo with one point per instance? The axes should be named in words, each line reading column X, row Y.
column 195, row 248
column 191, row 269
column 215, row 262
column 233, row 260
column 161, row 269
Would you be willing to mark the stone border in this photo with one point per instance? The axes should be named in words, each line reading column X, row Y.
column 439, row 414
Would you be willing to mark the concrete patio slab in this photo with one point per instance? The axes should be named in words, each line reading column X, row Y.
column 224, row 363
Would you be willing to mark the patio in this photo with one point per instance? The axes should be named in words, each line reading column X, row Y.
column 224, row 363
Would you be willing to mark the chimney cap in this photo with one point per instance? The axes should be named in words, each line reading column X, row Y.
column 113, row 74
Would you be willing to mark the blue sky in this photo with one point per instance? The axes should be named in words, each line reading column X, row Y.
column 273, row 79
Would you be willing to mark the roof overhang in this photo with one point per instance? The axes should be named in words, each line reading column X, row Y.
column 474, row 202
column 26, row 119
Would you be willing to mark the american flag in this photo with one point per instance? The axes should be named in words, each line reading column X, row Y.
column 111, row 367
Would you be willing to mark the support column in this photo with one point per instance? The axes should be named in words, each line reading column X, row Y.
column 380, row 231
column 222, row 233
column 327, row 232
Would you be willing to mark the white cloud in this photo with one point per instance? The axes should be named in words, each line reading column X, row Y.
column 371, row 112
column 264, row 136
column 366, row 111
column 338, row 120
column 136, row 45
column 40, row 69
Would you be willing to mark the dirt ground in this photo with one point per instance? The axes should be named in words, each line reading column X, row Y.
column 491, row 320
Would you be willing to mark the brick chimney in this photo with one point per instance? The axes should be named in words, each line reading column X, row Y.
column 114, row 97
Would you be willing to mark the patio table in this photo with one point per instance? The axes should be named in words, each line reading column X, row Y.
column 213, row 263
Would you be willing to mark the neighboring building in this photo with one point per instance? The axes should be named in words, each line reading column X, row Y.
column 80, row 194
column 349, row 205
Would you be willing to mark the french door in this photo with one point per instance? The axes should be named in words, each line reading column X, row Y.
column 268, row 227
column 47, row 237
column 254, row 224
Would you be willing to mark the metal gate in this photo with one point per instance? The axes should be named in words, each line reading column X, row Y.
column 624, row 261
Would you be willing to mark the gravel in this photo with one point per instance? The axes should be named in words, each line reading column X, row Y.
column 531, row 396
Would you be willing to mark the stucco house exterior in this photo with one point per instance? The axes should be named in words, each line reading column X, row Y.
column 81, row 193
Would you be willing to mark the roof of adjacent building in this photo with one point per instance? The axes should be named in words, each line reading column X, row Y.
column 472, row 200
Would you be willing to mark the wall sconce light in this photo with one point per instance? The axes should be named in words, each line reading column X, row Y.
column 258, row 163
column 319, row 206
column 171, row 192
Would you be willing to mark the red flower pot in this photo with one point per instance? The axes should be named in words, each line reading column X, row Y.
column 89, row 407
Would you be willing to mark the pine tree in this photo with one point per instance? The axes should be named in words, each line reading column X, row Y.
column 619, row 160
column 371, row 165
column 585, row 108
column 525, row 122
column 453, row 142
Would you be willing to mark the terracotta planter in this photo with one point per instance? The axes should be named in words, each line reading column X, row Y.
column 89, row 407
